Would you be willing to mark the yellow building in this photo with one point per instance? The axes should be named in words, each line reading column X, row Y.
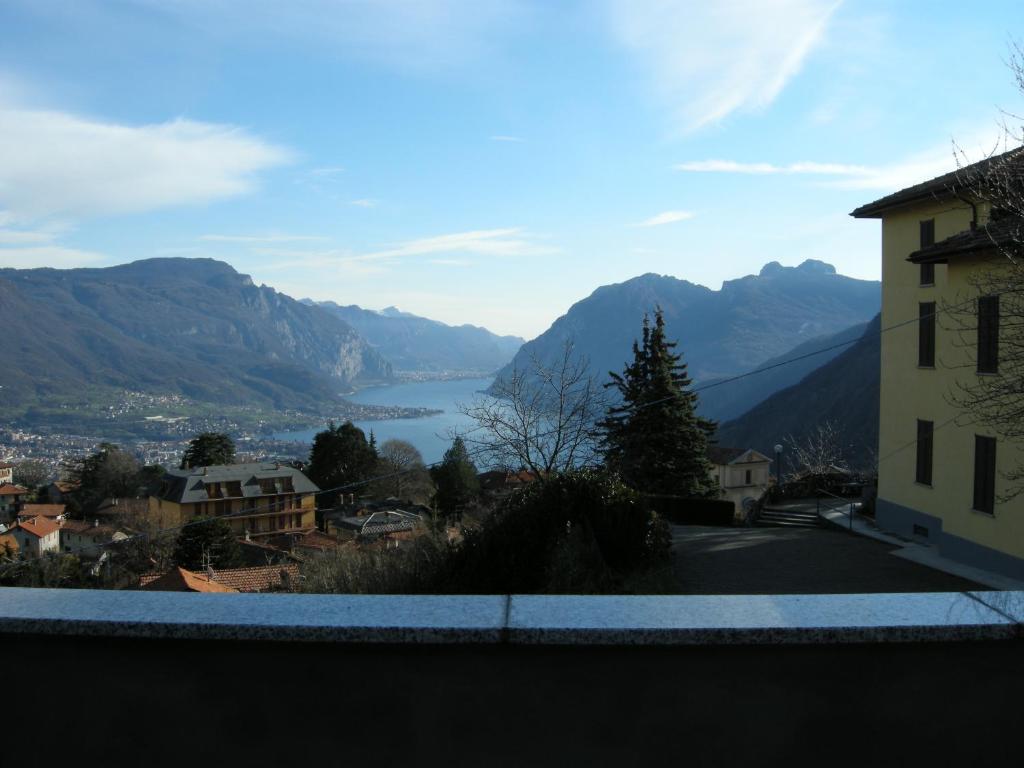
column 257, row 499
column 941, row 475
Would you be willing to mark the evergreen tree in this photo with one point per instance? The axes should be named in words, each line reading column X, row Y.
column 455, row 478
column 110, row 472
column 208, row 449
column 210, row 537
column 340, row 456
column 654, row 439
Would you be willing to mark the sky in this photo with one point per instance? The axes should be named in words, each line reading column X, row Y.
column 483, row 161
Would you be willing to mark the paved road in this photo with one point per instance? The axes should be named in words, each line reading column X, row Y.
column 751, row 561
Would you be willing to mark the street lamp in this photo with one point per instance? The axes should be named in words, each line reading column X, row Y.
column 778, row 466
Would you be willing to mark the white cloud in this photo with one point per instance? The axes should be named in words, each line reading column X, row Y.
column 711, row 59
column 452, row 262
column 410, row 35
column 276, row 238
column 905, row 172
column 509, row 242
column 512, row 139
column 24, row 236
column 731, row 166
column 484, row 242
column 53, row 256
column 56, row 164
column 666, row 217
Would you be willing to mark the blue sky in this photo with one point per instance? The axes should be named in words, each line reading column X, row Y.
column 482, row 162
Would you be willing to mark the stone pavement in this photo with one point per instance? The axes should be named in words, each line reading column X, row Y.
column 750, row 561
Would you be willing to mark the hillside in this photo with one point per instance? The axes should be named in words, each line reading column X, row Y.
column 730, row 399
column 194, row 327
column 417, row 344
column 721, row 333
column 844, row 391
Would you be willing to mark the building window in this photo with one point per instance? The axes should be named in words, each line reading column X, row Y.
column 747, row 479
column 923, row 474
column 988, row 334
column 927, row 238
column 926, row 335
column 927, row 274
column 927, row 233
column 985, row 474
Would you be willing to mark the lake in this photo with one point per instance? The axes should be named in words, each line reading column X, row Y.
column 430, row 433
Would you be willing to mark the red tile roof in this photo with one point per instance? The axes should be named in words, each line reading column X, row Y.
column 42, row 510
column 38, row 526
column 10, row 489
column 263, row 578
column 181, row 580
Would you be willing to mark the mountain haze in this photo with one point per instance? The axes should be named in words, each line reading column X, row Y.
column 188, row 326
column 414, row 343
column 731, row 398
column 844, row 391
column 720, row 333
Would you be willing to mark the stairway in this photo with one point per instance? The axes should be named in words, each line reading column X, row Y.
column 771, row 517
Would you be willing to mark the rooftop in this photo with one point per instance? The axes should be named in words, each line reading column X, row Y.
column 43, row 510
column 199, row 484
column 944, row 186
column 987, row 237
column 37, row 526
column 182, row 580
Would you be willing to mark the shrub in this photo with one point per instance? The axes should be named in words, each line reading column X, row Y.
column 581, row 531
column 696, row 511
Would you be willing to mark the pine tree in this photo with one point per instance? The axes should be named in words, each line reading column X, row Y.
column 340, row 456
column 455, row 478
column 208, row 449
column 207, row 539
column 654, row 439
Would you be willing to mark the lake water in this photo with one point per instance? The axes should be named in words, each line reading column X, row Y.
column 429, row 434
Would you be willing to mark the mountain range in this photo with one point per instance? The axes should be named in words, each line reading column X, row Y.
column 721, row 333
column 417, row 344
column 727, row 398
column 189, row 326
column 844, row 391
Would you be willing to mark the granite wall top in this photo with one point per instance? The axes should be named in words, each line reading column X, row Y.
column 516, row 619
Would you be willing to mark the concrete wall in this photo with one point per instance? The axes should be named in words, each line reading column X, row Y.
column 166, row 702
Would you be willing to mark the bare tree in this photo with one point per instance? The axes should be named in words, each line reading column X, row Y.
column 817, row 454
column 403, row 474
column 988, row 317
column 542, row 418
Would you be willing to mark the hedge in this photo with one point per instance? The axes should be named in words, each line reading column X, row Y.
column 695, row 511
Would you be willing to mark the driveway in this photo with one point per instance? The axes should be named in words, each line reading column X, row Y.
column 752, row 561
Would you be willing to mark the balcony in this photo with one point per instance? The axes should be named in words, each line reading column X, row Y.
column 516, row 680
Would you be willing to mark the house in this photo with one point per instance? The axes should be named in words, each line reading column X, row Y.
column 79, row 537
column 377, row 524
column 6, row 473
column 11, row 499
column 941, row 476
column 258, row 499
column 37, row 536
column 500, row 481
column 58, row 492
column 265, row 578
column 121, row 508
column 743, row 474
column 182, row 580
column 55, row 512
